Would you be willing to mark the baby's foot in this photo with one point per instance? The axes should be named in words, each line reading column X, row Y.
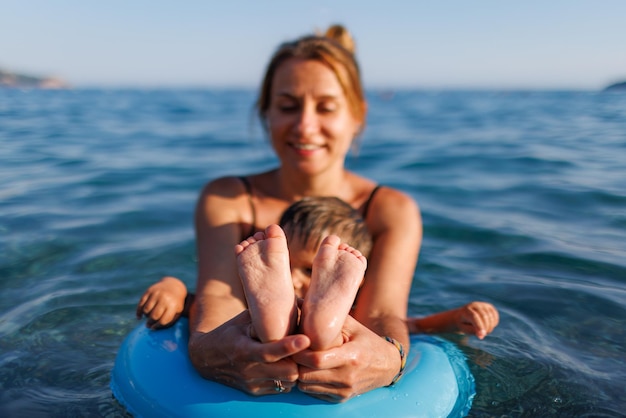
column 263, row 263
column 338, row 270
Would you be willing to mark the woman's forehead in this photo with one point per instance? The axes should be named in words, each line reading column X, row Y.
column 298, row 77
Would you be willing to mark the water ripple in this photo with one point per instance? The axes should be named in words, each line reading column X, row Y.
column 522, row 195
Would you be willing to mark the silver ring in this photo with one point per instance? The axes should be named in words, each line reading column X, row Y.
column 279, row 386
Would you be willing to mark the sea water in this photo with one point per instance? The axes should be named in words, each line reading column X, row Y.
column 523, row 197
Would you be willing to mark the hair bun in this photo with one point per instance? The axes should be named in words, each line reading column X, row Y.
column 341, row 35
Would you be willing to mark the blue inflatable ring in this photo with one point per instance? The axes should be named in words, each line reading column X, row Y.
column 153, row 377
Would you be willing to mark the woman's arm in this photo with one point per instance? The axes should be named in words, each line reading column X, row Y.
column 367, row 361
column 218, row 220
column 220, row 346
column 396, row 225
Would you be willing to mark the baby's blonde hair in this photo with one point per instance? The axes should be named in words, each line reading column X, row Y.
column 313, row 218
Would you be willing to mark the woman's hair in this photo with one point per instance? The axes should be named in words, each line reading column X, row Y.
column 313, row 218
column 336, row 50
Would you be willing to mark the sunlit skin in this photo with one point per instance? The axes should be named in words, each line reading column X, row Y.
column 263, row 264
column 164, row 302
column 309, row 119
column 327, row 278
column 337, row 271
column 311, row 125
column 311, row 128
column 475, row 318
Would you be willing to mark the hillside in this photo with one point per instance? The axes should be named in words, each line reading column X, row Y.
column 617, row 86
column 15, row 80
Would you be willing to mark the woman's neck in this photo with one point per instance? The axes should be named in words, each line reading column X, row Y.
column 294, row 187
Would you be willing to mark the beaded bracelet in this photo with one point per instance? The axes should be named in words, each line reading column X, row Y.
column 402, row 359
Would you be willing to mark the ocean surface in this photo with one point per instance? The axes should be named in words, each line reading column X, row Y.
column 523, row 196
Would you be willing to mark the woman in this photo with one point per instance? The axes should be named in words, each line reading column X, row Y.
column 313, row 107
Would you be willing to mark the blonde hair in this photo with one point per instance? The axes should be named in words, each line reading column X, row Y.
column 311, row 219
column 341, row 35
column 336, row 50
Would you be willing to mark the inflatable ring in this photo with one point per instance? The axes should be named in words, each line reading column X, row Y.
column 153, row 377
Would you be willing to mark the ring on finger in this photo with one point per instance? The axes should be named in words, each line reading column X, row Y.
column 278, row 386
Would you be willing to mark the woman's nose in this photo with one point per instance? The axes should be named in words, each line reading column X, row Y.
column 309, row 121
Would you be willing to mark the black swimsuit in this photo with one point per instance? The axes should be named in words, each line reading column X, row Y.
column 366, row 206
column 248, row 187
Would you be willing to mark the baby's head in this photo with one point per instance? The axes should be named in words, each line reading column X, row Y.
column 308, row 221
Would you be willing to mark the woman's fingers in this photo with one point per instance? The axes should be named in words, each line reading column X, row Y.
column 232, row 357
column 277, row 350
column 361, row 364
column 318, row 360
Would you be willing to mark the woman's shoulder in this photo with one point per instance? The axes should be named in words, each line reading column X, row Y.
column 395, row 196
column 223, row 185
column 226, row 180
column 224, row 200
column 234, row 184
column 222, row 193
column 391, row 208
column 388, row 199
column 380, row 198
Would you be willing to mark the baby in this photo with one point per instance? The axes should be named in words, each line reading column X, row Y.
column 318, row 253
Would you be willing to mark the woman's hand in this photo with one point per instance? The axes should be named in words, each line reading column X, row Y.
column 364, row 362
column 229, row 355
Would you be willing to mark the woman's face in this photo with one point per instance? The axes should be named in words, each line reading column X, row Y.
column 309, row 119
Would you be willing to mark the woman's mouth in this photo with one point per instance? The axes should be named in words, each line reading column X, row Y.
column 306, row 147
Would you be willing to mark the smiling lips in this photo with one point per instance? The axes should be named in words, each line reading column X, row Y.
column 306, row 147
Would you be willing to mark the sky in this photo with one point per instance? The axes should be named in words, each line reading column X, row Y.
column 491, row 44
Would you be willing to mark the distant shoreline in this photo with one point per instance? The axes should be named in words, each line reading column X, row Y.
column 10, row 80
column 14, row 80
column 621, row 86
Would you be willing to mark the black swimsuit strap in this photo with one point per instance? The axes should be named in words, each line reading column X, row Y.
column 366, row 206
column 248, row 186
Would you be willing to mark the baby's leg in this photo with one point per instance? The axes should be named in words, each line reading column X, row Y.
column 263, row 262
column 338, row 270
